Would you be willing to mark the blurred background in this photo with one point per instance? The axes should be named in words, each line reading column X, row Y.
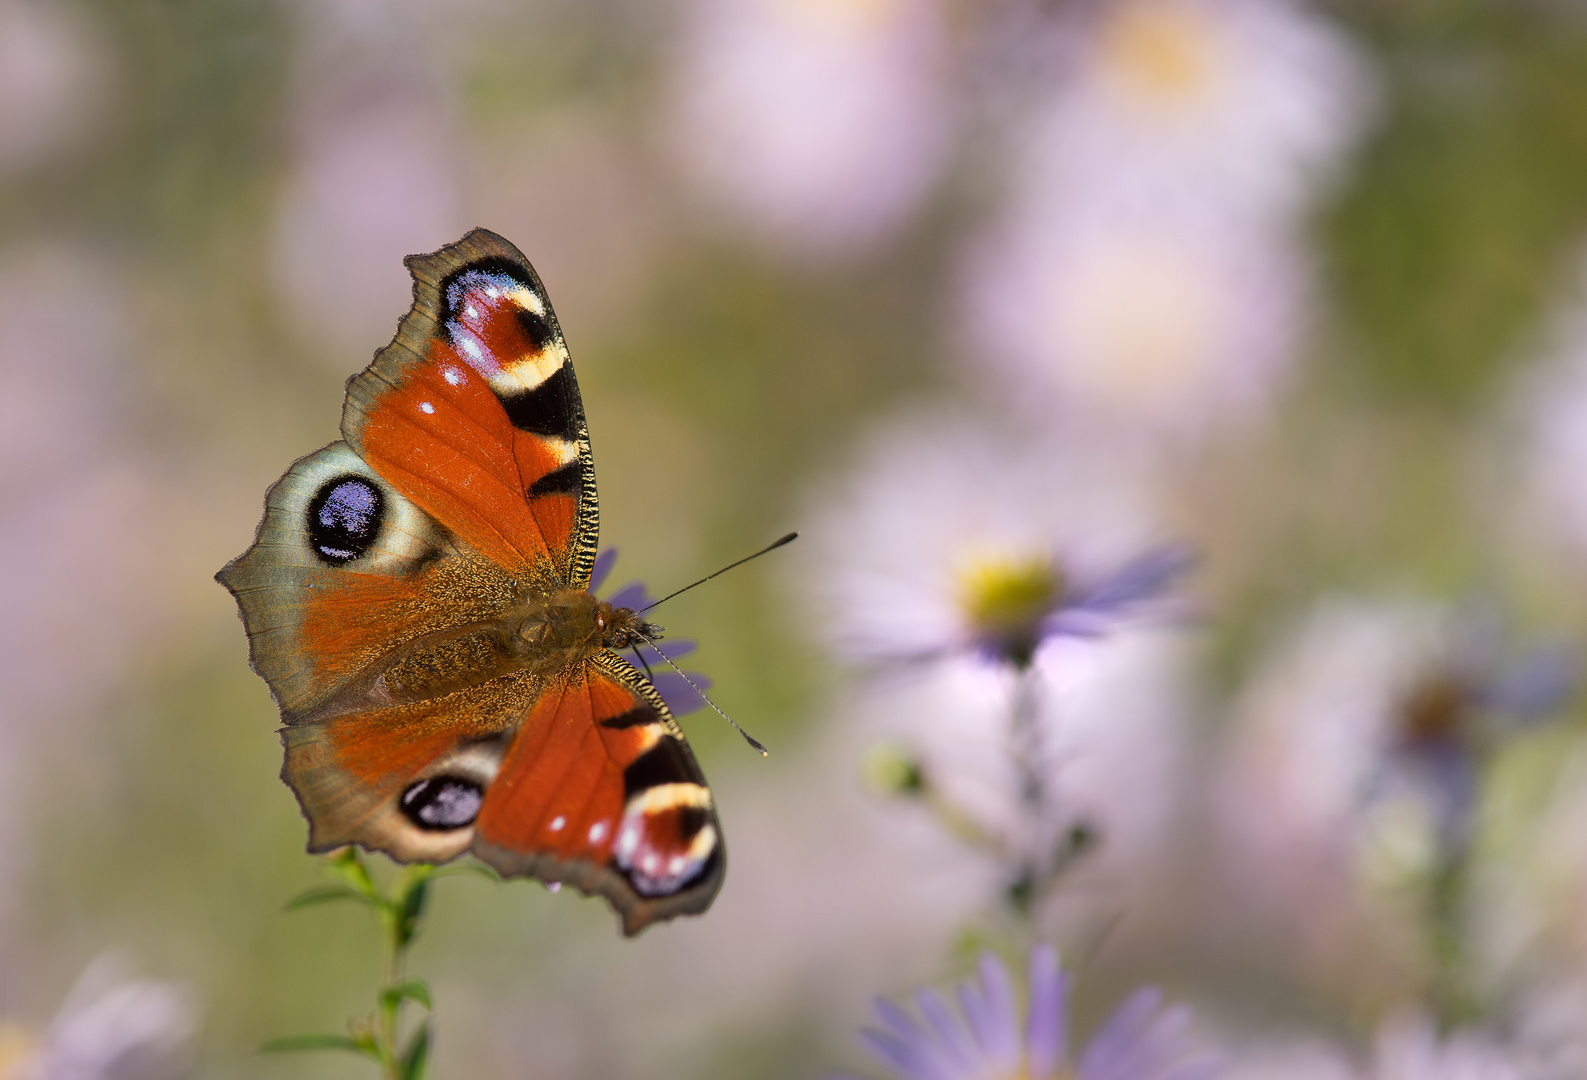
column 988, row 300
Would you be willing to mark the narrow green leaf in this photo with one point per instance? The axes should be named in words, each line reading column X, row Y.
column 324, row 894
column 408, row 900
column 411, row 990
column 321, row 1042
column 417, row 1056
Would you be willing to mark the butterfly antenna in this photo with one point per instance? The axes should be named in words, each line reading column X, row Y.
column 747, row 736
column 651, row 675
column 790, row 538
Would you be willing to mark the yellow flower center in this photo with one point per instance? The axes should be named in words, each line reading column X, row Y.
column 1161, row 54
column 1005, row 599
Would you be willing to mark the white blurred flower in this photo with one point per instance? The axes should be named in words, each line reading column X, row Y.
column 1355, row 754
column 948, row 535
column 54, row 78
column 1153, row 323
column 822, row 123
column 1407, row 1048
column 944, row 562
column 375, row 176
column 113, row 1028
column 1238, row 106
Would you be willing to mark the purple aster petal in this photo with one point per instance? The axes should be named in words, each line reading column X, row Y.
column 632, row 596
column 1090, row 609
column 1532, row 686
column 951, row 1036
column 1110, row 1051
column 676, row 648
column 998, row 1028
column 898, row 1020
column 1046, row 1029
column 912, row 1058
column 603, row 566
column 680, row 697
column 977, row 1014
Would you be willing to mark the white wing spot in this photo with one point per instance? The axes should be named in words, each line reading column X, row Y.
column 492, row 292
column 676, row 864
column 650, row 863
column 557, row 823
column 628, row 842
column 470, row 346
column 471, row 311
column 426, row 408
column 553, row 886
column 452, row 376
column 597, row 832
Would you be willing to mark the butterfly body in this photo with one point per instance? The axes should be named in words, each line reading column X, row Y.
column 417, row 599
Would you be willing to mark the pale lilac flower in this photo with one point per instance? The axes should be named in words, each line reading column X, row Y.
column 1240, row 108
column 972, row 578
column 950, row 538
column 820, row 124
column 113, row 1028
column 1171, row 323
column 375, row 174
column 1355, row 755
column 992, row 1038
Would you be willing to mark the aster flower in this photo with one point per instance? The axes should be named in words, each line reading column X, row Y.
column 1235, row 107
column 674, row 688
column 951, row 539
column 1369, row 706
column 1142, row 1040
column 974, row 578
column 1350, row 791
column 111, row 1028
column 820, row 124
column 1158, row 323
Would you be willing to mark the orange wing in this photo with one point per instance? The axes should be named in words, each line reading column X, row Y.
column 586, row 781
column 474, row 413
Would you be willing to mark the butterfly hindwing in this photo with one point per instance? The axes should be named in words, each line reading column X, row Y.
column 583, row 779
column 600, row 790
column 474, row 412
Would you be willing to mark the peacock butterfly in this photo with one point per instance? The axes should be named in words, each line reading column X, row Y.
column 417, row 598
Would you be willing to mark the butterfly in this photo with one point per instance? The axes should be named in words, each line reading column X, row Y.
column 417, row 598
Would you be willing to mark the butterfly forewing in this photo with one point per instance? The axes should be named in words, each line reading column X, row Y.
column 474, row 412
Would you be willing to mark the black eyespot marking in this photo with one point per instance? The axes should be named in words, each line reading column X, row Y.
column 437, row 803
column 344, row 518
column 663, row 763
